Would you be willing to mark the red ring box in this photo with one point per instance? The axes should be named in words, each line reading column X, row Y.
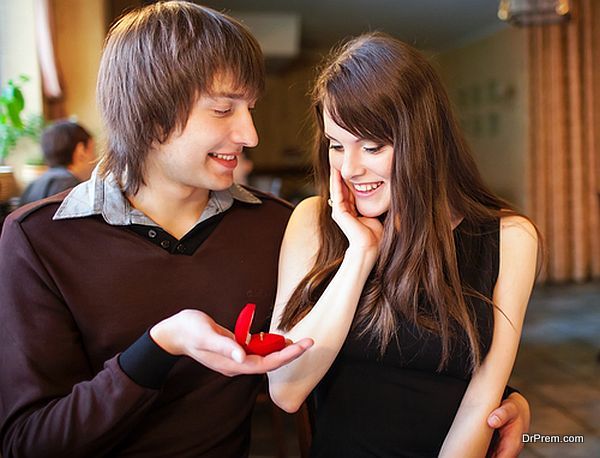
column 262, row 343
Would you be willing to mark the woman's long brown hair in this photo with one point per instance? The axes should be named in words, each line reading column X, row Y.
column 381, row 89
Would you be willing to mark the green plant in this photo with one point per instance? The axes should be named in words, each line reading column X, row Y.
column 13, row 125
column 35, row 160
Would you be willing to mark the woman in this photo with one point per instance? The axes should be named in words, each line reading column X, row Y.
column 408, row 273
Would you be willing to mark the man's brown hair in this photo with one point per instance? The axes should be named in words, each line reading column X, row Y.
column 157, row 60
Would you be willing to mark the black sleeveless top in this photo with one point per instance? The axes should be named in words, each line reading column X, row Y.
column 398, row 405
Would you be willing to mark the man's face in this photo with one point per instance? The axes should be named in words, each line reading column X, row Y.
column 204, row 154
column 89, row 157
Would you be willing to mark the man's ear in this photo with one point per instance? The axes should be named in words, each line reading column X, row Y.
column 79, row 153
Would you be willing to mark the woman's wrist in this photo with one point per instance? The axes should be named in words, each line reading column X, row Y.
column 366, row 255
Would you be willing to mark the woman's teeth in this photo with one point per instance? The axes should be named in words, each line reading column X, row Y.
column 225, row 157
column 367, row 186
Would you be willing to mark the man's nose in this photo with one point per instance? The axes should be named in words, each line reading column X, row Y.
column 244, row 132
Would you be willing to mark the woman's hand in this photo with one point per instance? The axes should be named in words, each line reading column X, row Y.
column 362, row 233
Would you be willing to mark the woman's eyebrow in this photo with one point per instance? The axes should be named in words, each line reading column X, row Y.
column 329, row 137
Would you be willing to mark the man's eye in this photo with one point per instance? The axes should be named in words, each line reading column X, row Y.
column 336, row 147
column 222, row 112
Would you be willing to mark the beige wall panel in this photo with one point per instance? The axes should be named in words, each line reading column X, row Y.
column 79, row 32
column 488, row 83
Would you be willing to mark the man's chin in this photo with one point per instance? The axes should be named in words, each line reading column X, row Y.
column 221, row 185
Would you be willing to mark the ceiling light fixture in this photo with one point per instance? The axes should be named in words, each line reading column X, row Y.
column 534, row 12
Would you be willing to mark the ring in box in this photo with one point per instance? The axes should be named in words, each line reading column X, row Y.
column 262, row 343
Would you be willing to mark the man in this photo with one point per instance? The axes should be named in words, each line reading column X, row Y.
column 160, row 244
column 69, row 151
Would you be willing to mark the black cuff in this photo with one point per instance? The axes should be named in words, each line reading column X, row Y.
column 146, row 363
column 508, row 391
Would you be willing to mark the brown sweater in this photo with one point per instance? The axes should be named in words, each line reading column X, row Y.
column 76, row 293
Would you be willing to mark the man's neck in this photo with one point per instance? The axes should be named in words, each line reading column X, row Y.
column 74, row 171
column 176, row 210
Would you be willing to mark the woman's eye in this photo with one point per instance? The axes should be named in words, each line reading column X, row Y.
column 371, row 149
column 222, row 112
column 336, row 147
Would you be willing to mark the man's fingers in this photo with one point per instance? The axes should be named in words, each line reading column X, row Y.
column 305, row 343
column 222, row 361
column 221, row 358
column 258, row 365
column 508, row 450
column 510, row 447
column 504, row 414
column 226, row 346
column 284, row 356
column 223, row 331
column 512, row 420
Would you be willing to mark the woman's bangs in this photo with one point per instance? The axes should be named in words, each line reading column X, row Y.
column 358, row 111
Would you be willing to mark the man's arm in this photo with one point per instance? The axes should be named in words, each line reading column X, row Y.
column 51, row 400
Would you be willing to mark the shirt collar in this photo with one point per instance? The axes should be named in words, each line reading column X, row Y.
column 103, row 196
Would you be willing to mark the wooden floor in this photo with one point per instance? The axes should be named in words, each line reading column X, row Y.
column 557, row 369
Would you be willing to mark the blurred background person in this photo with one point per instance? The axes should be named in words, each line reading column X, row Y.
column 69, row 152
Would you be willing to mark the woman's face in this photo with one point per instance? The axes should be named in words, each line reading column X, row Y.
column 365, row 166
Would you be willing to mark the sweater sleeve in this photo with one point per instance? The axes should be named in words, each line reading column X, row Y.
column 51, row 402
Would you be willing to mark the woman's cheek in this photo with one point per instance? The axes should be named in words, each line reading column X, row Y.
column 336, row 161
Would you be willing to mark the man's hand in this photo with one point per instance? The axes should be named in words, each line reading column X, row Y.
column 511, row 420
column 195, row 334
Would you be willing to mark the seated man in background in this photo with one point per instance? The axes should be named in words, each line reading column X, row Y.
column 69, row 151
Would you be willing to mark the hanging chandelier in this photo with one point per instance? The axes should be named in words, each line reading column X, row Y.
column 534, row 12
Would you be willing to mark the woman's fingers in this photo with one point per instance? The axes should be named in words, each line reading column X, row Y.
column 341, row 196
column 334, row 187
column 360, row 231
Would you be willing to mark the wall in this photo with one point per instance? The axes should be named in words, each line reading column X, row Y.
column 17, row 49
column 487, row 81
column 79, row 34
column 18, row 56
column 282, row 116
column 284, row 124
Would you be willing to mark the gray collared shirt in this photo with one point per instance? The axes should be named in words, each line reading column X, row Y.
column 103, row 196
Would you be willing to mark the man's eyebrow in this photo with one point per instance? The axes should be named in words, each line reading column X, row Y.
column 229, row 95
